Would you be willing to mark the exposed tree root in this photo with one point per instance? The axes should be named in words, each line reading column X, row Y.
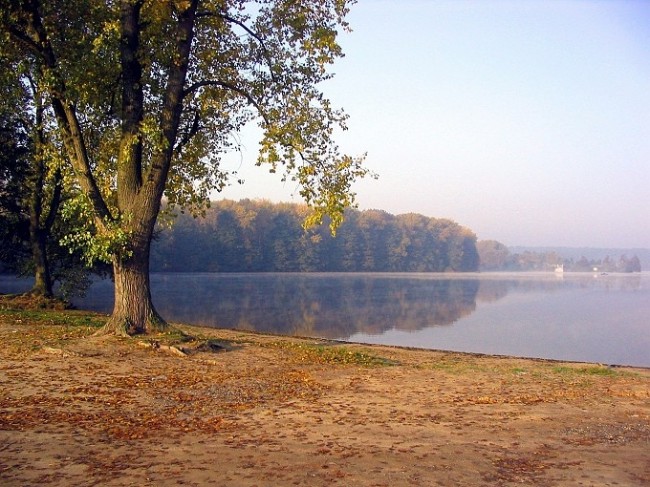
column 154, row 324
column 172, row 349
column 58, row 351
column 186, row 345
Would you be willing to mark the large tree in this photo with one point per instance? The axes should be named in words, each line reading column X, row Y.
column 148, row 94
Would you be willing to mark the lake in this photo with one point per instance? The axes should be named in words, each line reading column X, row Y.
column 580, row 317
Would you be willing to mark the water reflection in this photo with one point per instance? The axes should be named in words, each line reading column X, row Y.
column 315, row 305
column 603, row 318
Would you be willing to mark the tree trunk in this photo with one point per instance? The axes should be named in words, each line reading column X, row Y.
column 37, row 234
column 42, row 278
column 133, row 311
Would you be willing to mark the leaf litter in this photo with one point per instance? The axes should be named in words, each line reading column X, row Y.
column 83, row 410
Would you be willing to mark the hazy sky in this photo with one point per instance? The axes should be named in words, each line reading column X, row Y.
column 526, row 121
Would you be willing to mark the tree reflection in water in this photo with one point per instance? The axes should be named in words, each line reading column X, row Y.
column 331, row 306
column 341, row 305
column 585, row 316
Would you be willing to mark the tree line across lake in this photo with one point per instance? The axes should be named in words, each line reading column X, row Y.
column 260, row 236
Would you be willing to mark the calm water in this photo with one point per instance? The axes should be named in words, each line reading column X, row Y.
column 603, row 318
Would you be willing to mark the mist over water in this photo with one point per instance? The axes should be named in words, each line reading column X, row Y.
column 582, row 317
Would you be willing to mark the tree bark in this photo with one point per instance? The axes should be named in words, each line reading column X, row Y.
column 42, row 278
column 39, row 233
column 38, row 236
column 133, row 310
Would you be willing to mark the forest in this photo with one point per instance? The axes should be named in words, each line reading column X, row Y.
column 260, row 236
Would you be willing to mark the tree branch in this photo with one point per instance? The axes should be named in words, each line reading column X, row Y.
column 55, row 201
column 172, row 108
column 129, row 175
column 191, row 132
column 224, row 84
column 250, row 32
column 64, row 110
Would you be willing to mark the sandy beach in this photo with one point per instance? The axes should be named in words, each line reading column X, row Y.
column 245, row 409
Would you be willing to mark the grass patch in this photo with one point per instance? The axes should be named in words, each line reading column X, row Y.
column 332, row 354
column 29, row 330
column 173, row 336
column 593, row 370
column 66, row 318
column 32, row 301
column 455, row 365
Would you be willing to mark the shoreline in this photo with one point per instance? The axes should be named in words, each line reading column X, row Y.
column 422, row 349
column 553, row 328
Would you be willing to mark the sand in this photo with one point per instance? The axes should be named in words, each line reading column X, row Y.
column 77, row 410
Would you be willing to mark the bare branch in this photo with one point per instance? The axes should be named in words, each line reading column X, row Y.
column 193, row 130
column 224, row 84
column 250, row 32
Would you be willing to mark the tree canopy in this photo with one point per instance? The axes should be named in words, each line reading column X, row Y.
column 148, row 95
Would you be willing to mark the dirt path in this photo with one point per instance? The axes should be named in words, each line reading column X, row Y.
column 271, row 411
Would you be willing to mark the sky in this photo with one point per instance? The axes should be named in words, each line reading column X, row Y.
column 526, row 121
